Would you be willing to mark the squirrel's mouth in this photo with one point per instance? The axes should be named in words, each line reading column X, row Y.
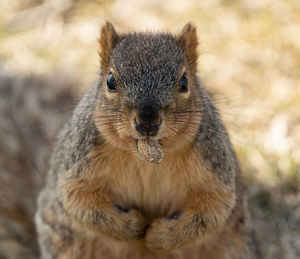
column 153, row 138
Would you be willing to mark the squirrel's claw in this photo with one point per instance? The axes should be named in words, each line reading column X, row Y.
column 169, row 234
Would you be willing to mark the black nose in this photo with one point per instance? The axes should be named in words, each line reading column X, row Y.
column 147, row 122
column 147, row 129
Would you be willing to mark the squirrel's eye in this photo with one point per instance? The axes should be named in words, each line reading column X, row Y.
column 111, row 84
column 183, row 84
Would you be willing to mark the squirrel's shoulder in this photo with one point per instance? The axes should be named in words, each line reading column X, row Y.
column 79, row 134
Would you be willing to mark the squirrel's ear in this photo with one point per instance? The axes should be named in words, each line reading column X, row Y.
column 188, row 41
column 108, row 40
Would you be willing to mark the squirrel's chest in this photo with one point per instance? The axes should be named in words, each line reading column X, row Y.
column 156, row 190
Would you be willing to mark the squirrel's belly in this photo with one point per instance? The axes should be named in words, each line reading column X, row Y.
column 156, row 190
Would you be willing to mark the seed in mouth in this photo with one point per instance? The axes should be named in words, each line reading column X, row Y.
column 150, row 150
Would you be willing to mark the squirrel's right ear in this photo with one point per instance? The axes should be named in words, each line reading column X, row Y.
column 189, row 43
column 108, row 40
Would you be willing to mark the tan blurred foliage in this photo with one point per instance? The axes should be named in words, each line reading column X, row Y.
column 250, row 59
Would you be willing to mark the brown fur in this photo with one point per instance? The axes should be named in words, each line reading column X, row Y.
column 102, row 201
column 107, row 42
column 229, row 243
column 188, row 39
column 181, row 191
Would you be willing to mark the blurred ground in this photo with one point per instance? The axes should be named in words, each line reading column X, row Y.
column 250, row 58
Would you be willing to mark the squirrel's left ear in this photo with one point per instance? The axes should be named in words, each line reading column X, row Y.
column 108, row 40
column 188, row 41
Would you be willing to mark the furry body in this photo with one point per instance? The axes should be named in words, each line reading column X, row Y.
column 102, row 201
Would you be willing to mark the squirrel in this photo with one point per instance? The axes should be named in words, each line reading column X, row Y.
column 145, row 168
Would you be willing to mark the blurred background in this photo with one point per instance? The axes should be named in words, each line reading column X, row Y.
column 250, row 61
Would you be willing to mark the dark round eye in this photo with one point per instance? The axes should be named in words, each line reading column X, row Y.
column 183, row 84
column 111, row 84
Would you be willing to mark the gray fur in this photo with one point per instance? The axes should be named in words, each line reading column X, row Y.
column 78, row 136
column 148, row 68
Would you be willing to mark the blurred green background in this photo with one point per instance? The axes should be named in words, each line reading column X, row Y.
column 250, row 60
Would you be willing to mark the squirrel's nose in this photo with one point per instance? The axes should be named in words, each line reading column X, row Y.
column 147, row 121
column 147, row 129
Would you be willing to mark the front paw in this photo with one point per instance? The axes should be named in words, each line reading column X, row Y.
column 171, row 233
column 125, row 224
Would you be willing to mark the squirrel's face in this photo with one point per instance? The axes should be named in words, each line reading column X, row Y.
column 148, row 88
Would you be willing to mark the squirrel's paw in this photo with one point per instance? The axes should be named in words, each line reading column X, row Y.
column 125, row 225
column 171, row 233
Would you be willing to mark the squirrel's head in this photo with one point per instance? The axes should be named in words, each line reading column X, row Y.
column 148, row 87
